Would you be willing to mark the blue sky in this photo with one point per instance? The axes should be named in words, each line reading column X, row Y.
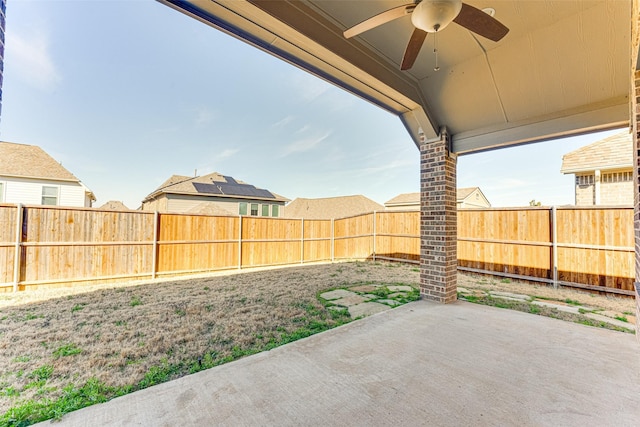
column 127, row 93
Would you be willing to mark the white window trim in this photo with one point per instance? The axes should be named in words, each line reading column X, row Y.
column 57, row 187
column 3, row 188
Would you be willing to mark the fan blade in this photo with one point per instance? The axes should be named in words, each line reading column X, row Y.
column 379, row 19
column 480, row 23
column 413, row 48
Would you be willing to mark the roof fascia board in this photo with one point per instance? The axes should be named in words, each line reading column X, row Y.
column 609, row 115
column 41, row 178
column 620, row 167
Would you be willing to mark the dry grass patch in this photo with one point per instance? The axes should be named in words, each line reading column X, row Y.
column 113, row 340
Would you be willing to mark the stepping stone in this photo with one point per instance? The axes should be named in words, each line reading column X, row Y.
column 606, row 319
column 365, row 288
column 369, row 296
column 559, row 307
column 463, row 290
column 367, row 309
column 390, row 302
column 350, row 300
column 338, row 293
column 509, row 298
column 397, row 294
column 510, row 295
column 402, row 288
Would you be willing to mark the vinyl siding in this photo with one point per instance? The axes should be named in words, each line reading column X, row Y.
column 29, row 192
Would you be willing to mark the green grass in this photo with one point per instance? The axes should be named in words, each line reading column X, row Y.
column 135, row 301
column 66, row 350
column 77, row 307
column 622, row 319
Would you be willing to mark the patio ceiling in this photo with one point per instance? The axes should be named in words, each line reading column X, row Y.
column 563, row 69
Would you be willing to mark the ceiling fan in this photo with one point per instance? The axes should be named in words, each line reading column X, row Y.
column 431, row 16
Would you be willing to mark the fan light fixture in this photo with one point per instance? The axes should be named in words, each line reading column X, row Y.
column 433, row 15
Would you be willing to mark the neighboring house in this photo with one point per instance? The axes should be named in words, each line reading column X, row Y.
column 331, row 207
column 603, row 170
column 114, row 205
column 213, row 194
column 30, row 176
column 471, row 197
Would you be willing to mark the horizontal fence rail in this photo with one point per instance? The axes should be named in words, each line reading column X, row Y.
column 589, row 248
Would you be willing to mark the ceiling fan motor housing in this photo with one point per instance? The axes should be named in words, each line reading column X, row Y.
column 434, row 15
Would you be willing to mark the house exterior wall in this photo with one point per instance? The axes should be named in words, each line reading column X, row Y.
column 616, row 188
column 183, row 203
column 29, row 192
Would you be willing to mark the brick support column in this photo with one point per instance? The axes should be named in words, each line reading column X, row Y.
column 438, row 222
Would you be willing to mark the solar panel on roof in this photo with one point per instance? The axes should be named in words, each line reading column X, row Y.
column 206, row 188
column 245, row 190
column 230, row 179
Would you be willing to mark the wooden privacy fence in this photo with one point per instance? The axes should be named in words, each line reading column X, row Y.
column 585, row 247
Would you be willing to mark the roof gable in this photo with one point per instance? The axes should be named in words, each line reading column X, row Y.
column 214, row 185
column 414, row 198
column 330, row 207
column 614, row 152
column 30, row 161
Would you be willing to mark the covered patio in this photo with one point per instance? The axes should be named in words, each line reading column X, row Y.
column 564, row 68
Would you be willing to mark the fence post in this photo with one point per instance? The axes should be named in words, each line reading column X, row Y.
column 374, row 236
column 333, row 240
column 17, row 262
column 302, row 242
column 154, row 256
column 554, row 245
column 240, row 243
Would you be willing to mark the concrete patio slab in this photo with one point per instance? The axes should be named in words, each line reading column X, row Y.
column 419, row 364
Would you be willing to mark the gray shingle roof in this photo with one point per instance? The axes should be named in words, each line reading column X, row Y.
column 30, row 161
column 214, row 185
column 114, row 205
column 614, row 152
column 414, row 198
column 330, row 207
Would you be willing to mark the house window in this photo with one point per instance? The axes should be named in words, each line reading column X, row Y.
column 584, row 179
column 49, row 195
column 265, row 210
column 617, row 177
column 275, row 211
column 242, row 210
column 254, row 209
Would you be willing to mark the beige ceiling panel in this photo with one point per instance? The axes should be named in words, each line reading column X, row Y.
column 464, row 103
column 537, row 74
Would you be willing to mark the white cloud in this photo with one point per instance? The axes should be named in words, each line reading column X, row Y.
column 204, row 116
column 283, row 122
column 225, row 154
column 303, row 145
column 30, row 58
column 309, row 87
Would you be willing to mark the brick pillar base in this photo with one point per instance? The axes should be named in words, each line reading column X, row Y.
column 438, row 222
